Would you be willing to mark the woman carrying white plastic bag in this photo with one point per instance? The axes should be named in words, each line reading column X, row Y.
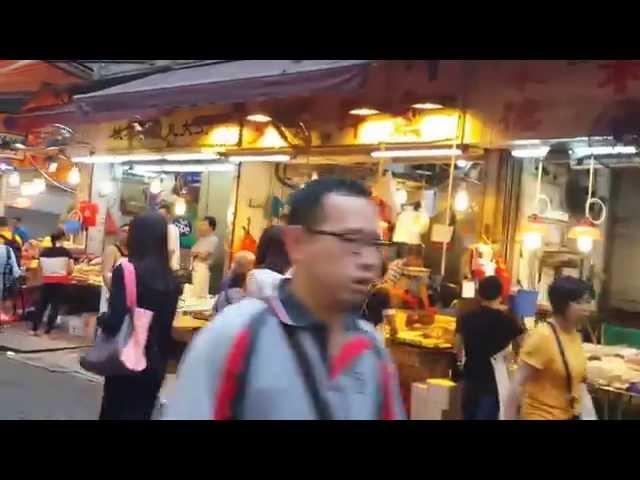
column 549, row 383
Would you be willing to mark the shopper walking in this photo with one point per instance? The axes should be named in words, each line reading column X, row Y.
column 272, row 263
column 482, row 334
column 133, row 397
column 549, row 383
column 56, row 267
column 303, row 354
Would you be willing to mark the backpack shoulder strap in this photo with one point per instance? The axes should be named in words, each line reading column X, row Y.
column 130, row 287
column 233, row 385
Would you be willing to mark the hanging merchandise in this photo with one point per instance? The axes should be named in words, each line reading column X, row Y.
column 384, row 211
column 482, row 264
column 110, row 226
column 410, row 227
column 89, row 212
column 276, row 207
column 73, row 224
column 503, row 274
column 248, row 243
column 385, row 188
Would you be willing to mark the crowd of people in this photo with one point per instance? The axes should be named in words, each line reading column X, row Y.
column 288, row 340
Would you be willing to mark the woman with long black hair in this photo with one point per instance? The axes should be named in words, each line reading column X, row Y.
column 272, row 264
column 133, row 397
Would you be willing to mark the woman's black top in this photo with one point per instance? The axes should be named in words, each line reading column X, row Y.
column 162, row 302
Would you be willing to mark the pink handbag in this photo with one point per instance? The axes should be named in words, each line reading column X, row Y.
column 124, row 353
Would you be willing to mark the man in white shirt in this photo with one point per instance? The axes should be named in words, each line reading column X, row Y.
column 202, row 255
column 173, row 237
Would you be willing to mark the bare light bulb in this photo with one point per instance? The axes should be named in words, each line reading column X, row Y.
column 53, row 166
column 180, row 207
column 532, row 240
column 461, row 201
column 14, row 179
column 74, row 176
column 156, row 186
column 585, row 244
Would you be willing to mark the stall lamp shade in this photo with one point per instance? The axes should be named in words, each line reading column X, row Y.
column 585, row 244
column 584, row 236
column 14, row 179
column 180, row 208
column 461, row 201
column 532, row 235
column 532, row 240
column 74, row 176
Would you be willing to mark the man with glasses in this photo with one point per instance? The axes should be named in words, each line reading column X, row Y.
column 303, row 354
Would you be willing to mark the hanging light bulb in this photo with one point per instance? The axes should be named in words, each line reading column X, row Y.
column 532, row 235
column 74, row 176
column 156, row 186
column 585, row 244
column 53, row 167
column 180, row 207
column 584, row 234
column 14, row 179
column 532, row 240
column 39, row 185
column 461, row 202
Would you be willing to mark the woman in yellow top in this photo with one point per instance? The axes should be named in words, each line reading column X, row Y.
column 549, row 385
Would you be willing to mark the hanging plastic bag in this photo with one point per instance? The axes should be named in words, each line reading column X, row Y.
column 110, row 227
column 73, row 224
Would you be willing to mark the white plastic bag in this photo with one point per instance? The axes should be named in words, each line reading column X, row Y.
column 499, row 363
column 588, row 410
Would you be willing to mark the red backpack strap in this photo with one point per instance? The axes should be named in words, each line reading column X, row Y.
column 233, row 383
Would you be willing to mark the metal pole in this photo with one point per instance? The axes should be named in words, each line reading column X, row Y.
column 452, row 168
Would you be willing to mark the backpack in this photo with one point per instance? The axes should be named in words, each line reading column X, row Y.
column 14, row 245
column 232, row 389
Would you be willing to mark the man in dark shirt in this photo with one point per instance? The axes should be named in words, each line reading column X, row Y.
column 483, row 333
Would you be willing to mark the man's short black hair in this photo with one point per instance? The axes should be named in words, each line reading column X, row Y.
column 211, row 221
column 565, row 290
column 306, row 204
column 4, row 222
column 490, row 288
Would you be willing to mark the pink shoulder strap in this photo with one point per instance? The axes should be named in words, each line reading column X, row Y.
column 130, row 287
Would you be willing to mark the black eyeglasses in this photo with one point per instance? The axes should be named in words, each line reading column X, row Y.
column 356, row 241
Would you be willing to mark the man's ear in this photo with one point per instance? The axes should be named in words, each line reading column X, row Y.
column 293, row 241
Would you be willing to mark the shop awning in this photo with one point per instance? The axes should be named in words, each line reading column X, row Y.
column 229, row 82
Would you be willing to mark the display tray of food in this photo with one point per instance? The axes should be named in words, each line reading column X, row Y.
column 612, row 366
column 419, row 329
column 196, row 304
column 88, row 274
